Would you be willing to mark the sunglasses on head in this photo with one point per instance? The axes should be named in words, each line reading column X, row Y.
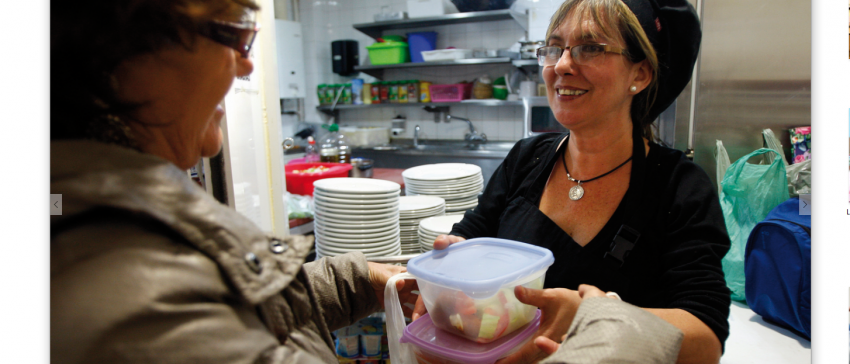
column 238, row 36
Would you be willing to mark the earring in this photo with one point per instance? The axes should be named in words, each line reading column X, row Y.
column 633, row 88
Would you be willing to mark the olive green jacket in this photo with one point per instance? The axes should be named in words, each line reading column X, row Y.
column 610, row 331
column 146, row 267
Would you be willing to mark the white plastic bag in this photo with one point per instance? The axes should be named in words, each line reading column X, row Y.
column 722, row 164
column 298, row 206
column 772, row 142
column 799, row 178
column 399, row 353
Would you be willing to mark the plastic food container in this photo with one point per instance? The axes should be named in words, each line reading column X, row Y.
column 432, row 345
column 450, row 93
column 466, row 296
column 388, row 52
column 302, row 183
column 446, row 55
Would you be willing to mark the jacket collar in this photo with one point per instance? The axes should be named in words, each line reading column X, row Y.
column 90, row 174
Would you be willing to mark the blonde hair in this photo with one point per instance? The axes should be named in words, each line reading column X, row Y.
column 617, row 22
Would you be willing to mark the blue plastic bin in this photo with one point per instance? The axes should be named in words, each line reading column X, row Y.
column 421, row 41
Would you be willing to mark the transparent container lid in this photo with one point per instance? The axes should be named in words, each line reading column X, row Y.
column 428, row 337
column 480, row 267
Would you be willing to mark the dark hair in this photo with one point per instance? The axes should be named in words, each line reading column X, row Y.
column 89, row 39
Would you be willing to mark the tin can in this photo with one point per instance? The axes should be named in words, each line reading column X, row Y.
column 376, row 92
column 330, row 93
column 393, row 92
column 385, row 92
column 402, row 91
column 367, row 93
column 424, row 91
column 346, row 94
column 413, row 91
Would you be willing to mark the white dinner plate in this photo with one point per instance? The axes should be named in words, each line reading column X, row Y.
column 353, row 224
column 359, row 226
column 419, row 203
column 354, row 206
column 446, row 184
column 441, row 171
column 468, row 205
column 342, row 216
column 440, row 223
column 389, row 196
column 392, row 251
column 439, row 182
column 341, row 213
column 369, row 234
column 329, row 197
column 370, row 244
column 450, row 197
column 383, row 240
column 356, row 185
column 441, row 191
column 344, row 230
column 427, row 210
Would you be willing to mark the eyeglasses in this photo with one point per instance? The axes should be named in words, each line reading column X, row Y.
column 582, row 54
column 238, row 36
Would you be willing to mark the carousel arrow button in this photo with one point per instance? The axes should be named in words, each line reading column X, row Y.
column 805, row 206
column 56, row 204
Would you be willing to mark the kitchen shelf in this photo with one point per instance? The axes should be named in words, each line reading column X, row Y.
column 378, row 71
column 485, row 102
column 375, row 29
column 525, row 62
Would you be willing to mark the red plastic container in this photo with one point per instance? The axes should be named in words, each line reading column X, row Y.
column 302, row 183
column 450, row 93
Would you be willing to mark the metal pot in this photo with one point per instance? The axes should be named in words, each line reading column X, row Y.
column 528, row 50
column 362, row 168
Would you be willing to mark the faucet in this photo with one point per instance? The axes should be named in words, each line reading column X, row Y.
column 416, row 136
column 473, row 135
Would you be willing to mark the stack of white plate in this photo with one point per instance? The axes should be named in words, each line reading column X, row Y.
column 431, row 227
column 356, row 214
column 412, row 210
column 458, row 183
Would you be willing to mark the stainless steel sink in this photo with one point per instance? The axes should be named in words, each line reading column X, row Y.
column 403, row 154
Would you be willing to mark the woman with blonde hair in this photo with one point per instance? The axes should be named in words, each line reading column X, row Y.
column 619, row 211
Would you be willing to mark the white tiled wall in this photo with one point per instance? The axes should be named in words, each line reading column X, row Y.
column 324, row 21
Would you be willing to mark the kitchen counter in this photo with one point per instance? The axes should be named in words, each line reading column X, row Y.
column 753, row 340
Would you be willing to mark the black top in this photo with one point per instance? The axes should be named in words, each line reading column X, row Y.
column 671, row 202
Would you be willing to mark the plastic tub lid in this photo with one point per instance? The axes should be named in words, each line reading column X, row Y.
column 470, row 266
column 387, row 44
column 426, row 336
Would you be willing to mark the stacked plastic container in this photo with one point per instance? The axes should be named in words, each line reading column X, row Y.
column 473, row 315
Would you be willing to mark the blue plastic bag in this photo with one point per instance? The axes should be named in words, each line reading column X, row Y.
column 749, row 192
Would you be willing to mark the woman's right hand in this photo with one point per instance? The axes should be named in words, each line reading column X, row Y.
column 558, row 307
column 443, row 241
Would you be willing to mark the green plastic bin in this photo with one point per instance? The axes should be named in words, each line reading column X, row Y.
column 388, row 52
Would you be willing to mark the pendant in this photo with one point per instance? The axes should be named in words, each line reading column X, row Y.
column 576, row 192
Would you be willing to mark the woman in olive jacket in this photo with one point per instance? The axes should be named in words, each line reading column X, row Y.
column 146, row 266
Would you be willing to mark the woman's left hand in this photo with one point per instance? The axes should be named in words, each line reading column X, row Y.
column 558, row 306
column 379, row 274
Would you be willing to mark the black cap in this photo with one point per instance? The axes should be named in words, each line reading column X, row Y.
column 673, row 29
